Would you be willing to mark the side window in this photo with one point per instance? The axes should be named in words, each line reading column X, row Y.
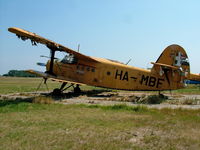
column 88, row 68
column 85, row 68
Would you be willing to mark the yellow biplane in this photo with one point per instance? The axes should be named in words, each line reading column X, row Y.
column 169, row 72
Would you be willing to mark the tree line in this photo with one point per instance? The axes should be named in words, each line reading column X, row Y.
column 18, row 73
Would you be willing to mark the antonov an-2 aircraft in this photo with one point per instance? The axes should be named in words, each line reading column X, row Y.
column 169, row 72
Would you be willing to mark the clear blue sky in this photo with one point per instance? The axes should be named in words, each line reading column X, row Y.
column 115, row 29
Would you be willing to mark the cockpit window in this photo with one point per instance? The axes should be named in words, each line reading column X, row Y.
column 69, row 59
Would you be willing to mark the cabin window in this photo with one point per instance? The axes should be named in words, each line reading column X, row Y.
column 108, row 73
column 69, row 59
column 88, row 68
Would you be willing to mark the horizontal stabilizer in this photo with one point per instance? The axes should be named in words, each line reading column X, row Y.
column 165, row 66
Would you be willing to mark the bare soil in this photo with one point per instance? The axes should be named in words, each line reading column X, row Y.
column 103, row 97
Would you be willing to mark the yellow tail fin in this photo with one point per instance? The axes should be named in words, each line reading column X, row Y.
column 176, row 57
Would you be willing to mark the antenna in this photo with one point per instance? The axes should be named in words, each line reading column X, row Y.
column 78, row 47
column 128, row 62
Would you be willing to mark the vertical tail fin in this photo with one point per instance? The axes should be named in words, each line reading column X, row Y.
column 173, row 64
column 174, row 56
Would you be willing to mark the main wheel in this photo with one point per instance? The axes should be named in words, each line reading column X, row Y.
column 77, row 89
column 57, row 92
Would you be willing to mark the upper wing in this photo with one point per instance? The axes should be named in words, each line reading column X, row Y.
column 24, row 35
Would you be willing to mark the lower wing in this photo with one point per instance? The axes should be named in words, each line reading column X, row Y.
column 54, row 78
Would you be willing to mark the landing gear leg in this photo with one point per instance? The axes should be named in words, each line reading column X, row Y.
column 57, row 92
column 161, row 95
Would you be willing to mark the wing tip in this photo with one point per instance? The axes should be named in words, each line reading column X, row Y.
column 13, row 29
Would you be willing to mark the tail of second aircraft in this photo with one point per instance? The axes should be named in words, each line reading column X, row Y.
column 193, row 79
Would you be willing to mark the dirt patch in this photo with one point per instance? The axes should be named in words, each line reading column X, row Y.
column 118, row 97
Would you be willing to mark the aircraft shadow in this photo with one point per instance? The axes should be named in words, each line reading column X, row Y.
column 91, row 93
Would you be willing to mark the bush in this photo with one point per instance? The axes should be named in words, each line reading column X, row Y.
column 43, row 100
column 152, row 99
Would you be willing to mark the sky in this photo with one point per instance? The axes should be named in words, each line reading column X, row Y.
column 116, row 29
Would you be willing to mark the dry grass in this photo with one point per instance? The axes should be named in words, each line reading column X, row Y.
column 43, row 100
column 184, row 102
column 54, row 126
column 38, row 123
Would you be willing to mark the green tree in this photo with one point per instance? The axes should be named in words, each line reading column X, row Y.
column 18, row 73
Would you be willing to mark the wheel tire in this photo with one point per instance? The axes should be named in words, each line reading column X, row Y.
column 57, row 92
column 77, row 90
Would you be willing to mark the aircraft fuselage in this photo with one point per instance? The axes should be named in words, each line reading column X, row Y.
column 115, row 75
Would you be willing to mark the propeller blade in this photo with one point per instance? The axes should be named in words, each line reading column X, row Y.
column 41, row 64
column 47, row 57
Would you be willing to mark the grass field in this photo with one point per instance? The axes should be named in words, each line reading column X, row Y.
column 19, row 84
column 25, row 124
column 15, row 84
column 190, row 89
